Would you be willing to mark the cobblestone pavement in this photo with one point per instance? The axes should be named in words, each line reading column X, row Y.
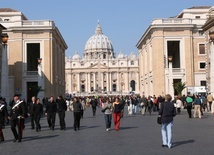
column 138, row 135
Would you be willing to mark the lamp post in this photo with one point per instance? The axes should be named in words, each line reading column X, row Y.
column 40, row 78
column 170, row 84
column 4, row 69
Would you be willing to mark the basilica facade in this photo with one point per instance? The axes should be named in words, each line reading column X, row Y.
column 100, row 70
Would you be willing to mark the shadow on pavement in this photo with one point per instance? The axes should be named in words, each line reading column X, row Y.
column 30, row 138
column 175, row 144
column 125, row 128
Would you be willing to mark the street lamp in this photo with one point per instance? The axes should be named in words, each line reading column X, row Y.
column 170, row 87
column 4, row 68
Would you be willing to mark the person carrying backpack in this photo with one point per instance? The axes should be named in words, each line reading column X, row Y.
column 189, row 102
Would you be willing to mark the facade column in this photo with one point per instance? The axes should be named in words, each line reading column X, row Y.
column 94, row 81
column 137, row 82
column 107, row 81
column 118, row 82
column 69, row 83
column 102, row 81
column 211, row 72
column 78, row 82
column 89, row 82
column 86, row 82
column 128, row 84
column 110, row 82
column 4, row 74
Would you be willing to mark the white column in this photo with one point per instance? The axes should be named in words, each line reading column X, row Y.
column 118, row 82
column 94, row 81
column 211, row 71
column 78, row 82
column 102, row 80
column 86, row 82
column 4, row 74
column 89, row 82
column 107, row 81
column 128, row 84
column 110, row 82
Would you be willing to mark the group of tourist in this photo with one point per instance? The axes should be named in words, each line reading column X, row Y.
column 110, row 105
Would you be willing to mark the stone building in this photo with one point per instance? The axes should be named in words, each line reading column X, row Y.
column 209, row 36
column 28, row 41
column 178, row 42
column 100, row 70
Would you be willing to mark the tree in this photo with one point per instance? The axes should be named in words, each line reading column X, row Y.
column 36, row 90
column 179, row 87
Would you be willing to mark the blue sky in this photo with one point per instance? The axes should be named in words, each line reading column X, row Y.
column 122, row 21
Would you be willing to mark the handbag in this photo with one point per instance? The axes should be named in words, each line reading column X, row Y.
column 103, row 110
column 159, row 120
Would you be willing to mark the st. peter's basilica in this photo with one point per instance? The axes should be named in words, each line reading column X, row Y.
column 100, row 70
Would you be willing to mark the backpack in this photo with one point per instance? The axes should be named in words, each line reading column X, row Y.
column 189, row 100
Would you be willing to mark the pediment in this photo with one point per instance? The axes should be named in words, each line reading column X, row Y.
column 95, row 66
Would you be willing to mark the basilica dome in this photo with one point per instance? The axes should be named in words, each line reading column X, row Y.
column 98, row 44
column 76, row 56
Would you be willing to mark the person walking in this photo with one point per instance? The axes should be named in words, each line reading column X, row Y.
column 150, row 105
column 62, row 107
column 77, row 106
column 82, row 101
column 94, row 103
column 178, row 104
column 189, row 102
column 3, row 116
column 50, row 112
column 107, row 108
column 144, row 104
column 210, row 101
column 167, row 112
column 37, row 112
column 17, row 115
column 117, row 113
column 197, row 106
column 30, row 112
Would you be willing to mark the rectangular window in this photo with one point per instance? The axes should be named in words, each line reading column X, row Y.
column 33, row 53
column 203, row 83
column 197, row 17
column 201, row 48
column 132, row 62
column 202, row 65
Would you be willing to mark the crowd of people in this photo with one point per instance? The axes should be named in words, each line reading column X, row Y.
column 112, row 106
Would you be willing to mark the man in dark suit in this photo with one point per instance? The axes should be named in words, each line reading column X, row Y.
column 17, row 115
column 3, row 115
column 31, row 114
column 94, row 103
column 50, row 112
column 62, row 107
